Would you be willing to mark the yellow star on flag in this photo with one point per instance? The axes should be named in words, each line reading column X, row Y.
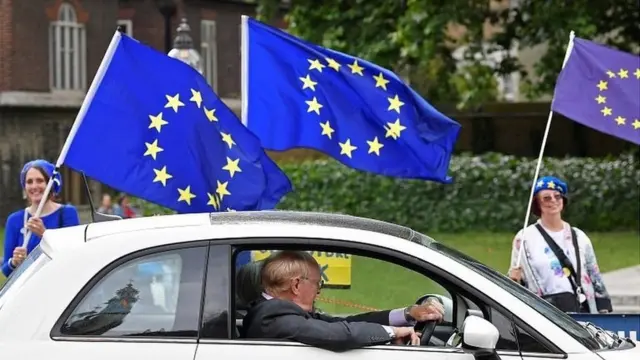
column 601, row 99
column 333, row 64
column 326, row 129
column 611, row 74
column 346, row 148
column 623, row 73
column 211, row 114
column 214, row 201
column 395, row 104
column 174, row 102
column 381, row 81
column 637, row 73
column 636, row 124
column 196, row 97
column 314, row 106
column 394, row 129
column 315, row 65
column 186, row 195
column 602, row 85
column 152, row 149
column 227, row 138
column 221, row 190
column 157, row 122
column 374, row 146
column 162, row 176
column 355, row 68
column 606, row 111
column 307, row 83
column 620, row 120
column 232, row 166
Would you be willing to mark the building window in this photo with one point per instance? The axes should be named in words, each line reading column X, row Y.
column 127, row 26
column 67, row 51
column 209, row 52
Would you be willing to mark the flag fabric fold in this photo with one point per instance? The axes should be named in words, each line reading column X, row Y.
column 302, row 95
column 599, row 87
column 155, row 129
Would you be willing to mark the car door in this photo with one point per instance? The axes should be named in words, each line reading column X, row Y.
column 146, row 305
column 220, row 338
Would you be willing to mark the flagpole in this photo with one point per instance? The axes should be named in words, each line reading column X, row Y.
column 542, row 147
column 244, row 67
column 97, row 79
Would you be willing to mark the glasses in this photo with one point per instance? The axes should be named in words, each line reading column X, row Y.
column 549, row 198
column 319, row 284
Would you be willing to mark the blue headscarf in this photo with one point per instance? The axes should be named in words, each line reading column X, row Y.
column 48, row 168
column 551, row 183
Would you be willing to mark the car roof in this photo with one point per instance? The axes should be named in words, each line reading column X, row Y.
column 271, row 217
column 65, row 239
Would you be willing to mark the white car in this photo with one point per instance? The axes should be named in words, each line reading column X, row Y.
column 164, row 287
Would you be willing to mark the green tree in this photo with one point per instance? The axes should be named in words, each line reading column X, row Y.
column 413, row 37
column 534, row 22
column 409, row 38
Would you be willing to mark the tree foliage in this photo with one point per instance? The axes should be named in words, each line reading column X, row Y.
column 417, row 38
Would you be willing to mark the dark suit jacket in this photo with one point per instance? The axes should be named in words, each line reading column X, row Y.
column 281, row 319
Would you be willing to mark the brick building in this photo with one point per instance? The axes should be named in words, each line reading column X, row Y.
column 51, row 49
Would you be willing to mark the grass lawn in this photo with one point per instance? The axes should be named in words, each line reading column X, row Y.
column 375, row 284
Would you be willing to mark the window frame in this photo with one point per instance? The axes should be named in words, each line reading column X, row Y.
column 56, row 335
column 451, row 283
column 67, row 30
column 210, row 48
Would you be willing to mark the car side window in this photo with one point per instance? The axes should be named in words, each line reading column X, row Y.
column 156, row 295
column 513, row 337
column 352, row 284
column 508, row 336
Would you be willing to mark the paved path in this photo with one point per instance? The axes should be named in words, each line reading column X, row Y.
column 624, row 287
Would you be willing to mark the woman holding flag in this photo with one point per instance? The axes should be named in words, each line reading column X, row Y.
column 558, row 263
column 34, row 178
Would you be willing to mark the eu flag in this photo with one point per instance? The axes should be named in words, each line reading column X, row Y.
column 155, row 129
column 599, row 87
column 301, row 95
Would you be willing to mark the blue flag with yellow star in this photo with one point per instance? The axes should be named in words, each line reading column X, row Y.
column 302, row 95
column 156, row 130
column 599, row 87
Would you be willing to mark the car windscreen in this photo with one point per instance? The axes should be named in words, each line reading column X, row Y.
column 36, row 260
column 549, row 311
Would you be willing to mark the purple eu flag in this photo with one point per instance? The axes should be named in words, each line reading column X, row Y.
column 600, row 87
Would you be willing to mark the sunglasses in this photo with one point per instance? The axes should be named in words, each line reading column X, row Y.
column 549, row 198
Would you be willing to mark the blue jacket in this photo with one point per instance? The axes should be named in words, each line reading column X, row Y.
column 66, row 215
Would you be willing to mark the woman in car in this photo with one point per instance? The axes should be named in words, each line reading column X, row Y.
column 34, row 178
column 549, row 266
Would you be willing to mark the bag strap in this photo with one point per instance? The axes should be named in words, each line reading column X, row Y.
column 576, row 248
column 574, row 279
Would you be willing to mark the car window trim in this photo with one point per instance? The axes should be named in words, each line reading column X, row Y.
column 403, row 259
column 55, row 333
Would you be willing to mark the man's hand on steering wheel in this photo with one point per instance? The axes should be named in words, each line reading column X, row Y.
column 432, row 310
column 427, row 315
column 405, row 336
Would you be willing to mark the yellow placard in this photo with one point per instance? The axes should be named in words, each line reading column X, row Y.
column 335, row 268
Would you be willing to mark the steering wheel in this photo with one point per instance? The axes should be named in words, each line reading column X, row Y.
column 426, row 328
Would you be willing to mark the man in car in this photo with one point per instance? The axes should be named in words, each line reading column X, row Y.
column 291, row 281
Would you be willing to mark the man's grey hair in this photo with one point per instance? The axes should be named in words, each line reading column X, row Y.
column 283, row 266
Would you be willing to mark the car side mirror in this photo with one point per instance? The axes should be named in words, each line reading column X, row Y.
column 479, row 337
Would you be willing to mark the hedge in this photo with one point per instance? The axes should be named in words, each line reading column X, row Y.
column 490, row 193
